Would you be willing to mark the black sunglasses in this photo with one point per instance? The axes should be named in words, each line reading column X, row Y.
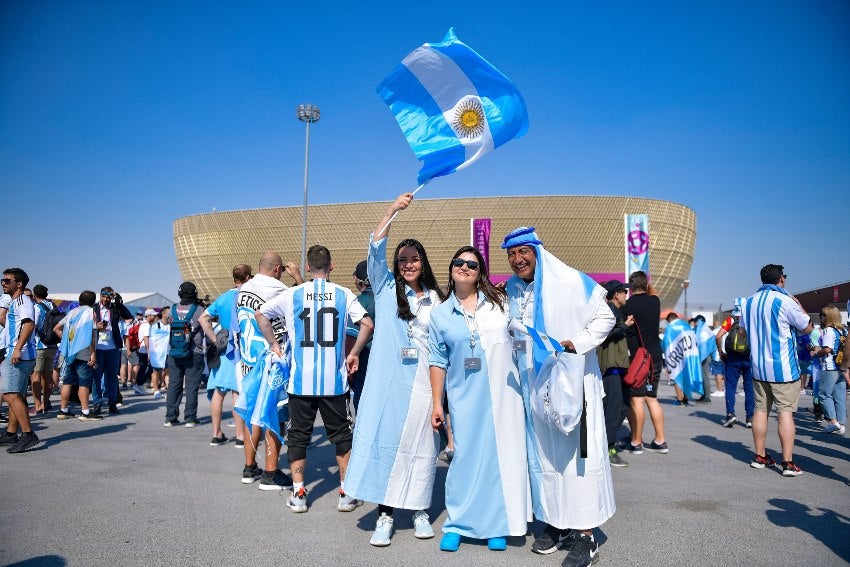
column 471, row 264
column 7, row 281
column 785, row 276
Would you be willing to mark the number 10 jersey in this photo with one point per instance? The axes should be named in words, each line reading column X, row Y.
column 316, row 313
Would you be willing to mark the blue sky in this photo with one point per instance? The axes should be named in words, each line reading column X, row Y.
column 118, row 117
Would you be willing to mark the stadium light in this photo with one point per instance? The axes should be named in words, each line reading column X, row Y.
column 308, row 114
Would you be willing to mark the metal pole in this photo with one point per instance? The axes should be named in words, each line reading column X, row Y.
column 304, row 213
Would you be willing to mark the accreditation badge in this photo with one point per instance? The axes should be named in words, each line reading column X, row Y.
column 409, row 353
column 472, row 363
column 519, row 345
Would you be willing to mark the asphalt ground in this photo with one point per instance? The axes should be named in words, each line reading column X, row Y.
column 127, row 491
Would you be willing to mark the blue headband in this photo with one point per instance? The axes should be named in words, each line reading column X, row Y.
column 520, row 236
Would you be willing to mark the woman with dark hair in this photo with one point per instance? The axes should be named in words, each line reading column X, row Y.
column 487, row 489
column 393, row 458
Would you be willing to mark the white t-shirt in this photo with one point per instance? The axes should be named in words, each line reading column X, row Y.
column 144, row 331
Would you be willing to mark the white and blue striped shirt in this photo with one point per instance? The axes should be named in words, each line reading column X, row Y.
column 21, row 310
column 769, row 318
column 829, row 338
column 315, row 314
column 41, row 309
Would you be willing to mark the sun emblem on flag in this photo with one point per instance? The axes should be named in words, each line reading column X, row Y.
column 469, row 118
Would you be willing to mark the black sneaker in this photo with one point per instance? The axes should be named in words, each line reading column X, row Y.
column 635, row 449
column 655, row 447
column 583, row 552
column 91, row 416
column 276, row 481
column 113, row 409
column 614, row 459
column 172, row 423
column 65, row 414
column 551, row 540
column 250, row 474
column 217, row 441
column 96, row 409
column 26, row 442
column 9, row 439
column 729, row 421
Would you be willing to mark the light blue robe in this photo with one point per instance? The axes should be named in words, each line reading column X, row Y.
column 393, row 458
column 487, row 489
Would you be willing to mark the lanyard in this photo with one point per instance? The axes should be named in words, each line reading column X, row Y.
column 524, row 304
column 415, row 317
column 472, row 325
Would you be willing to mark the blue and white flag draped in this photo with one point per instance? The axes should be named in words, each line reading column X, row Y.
column 681, row 357
column 263, row 391
column 77, row 331
column 706, row 339
column 452, row 105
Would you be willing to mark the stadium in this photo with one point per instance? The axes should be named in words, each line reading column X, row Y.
column 586, row 232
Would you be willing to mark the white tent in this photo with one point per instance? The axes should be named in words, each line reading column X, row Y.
column 134, row 301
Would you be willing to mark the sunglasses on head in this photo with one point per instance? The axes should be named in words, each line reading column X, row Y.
column 471, row 264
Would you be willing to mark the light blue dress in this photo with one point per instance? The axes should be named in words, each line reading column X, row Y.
column 487, row 488
column 393, row 458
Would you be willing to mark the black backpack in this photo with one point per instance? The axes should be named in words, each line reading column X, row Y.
column 736, row 340
column 49, row 319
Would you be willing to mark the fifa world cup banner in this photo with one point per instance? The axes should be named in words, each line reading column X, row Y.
column 481, row 238
column 637, row 244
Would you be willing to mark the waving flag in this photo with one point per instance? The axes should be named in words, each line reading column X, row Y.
column 452, row 106
column 77, row 331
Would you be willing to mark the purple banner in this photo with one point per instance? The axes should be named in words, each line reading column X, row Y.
column 481, row 238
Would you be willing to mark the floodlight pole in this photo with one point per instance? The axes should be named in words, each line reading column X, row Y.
column 685, row 285
column 308, row 114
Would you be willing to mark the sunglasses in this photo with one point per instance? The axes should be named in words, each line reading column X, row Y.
column 7, row 281
column 471, row 264
column 785, row 276
column 106, row 293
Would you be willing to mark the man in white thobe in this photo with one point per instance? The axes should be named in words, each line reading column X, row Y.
column 571, row 481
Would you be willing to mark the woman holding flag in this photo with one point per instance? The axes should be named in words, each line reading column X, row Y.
column 393, row 458
column 470, row 354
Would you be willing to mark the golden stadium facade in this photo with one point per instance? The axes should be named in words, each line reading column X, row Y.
column 586, row 232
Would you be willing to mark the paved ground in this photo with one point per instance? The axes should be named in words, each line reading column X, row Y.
column 126, row 491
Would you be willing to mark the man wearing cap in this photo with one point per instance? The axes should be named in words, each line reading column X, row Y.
column 366, row 297
column 613, row 356
column 144, row 363
column 572, row 494
column 108, row 316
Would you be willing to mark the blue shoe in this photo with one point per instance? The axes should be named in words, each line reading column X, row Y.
column 450, row 542
column 497, row 544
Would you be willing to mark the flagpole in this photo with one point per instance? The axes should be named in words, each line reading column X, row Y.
column 389, row 222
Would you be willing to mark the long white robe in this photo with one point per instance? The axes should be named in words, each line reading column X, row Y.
column 567, row 490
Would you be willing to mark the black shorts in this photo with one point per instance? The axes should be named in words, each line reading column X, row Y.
column 643, row 391
column 336, row 415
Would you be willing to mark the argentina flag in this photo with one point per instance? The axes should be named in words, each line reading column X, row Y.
column 264, row 391
column 452, row 105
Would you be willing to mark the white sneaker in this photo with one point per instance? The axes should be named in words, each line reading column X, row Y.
column 157, row 395
column 840, row 430
column 718, row 394
column 297, row 502
column 346, row 503
column 422, row 525
column 383, row 531
column 830, row 428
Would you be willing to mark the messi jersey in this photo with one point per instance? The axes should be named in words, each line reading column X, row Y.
column 315, row 313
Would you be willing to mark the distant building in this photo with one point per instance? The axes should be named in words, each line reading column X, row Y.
column 585, row 232
column 134, row 301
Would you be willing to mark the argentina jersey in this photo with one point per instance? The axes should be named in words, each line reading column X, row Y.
column 769, row 318
column 20, row 311
column 250, row 297
column 315, row 314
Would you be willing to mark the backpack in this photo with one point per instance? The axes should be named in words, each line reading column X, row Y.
column 180, row 340
column 133, row 337
column 842, row 346
column 49, row 319
column 736, row 340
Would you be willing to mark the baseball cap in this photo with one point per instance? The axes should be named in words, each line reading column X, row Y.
column 150, row 312
column 360, row 271
column 614, row 286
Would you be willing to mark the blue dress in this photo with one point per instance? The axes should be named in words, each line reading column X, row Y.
column 487, row 488
column 393, row 458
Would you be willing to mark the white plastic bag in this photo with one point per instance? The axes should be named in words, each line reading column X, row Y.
column 557, row 392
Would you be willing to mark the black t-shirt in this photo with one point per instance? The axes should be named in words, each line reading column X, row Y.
column 646, row 309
